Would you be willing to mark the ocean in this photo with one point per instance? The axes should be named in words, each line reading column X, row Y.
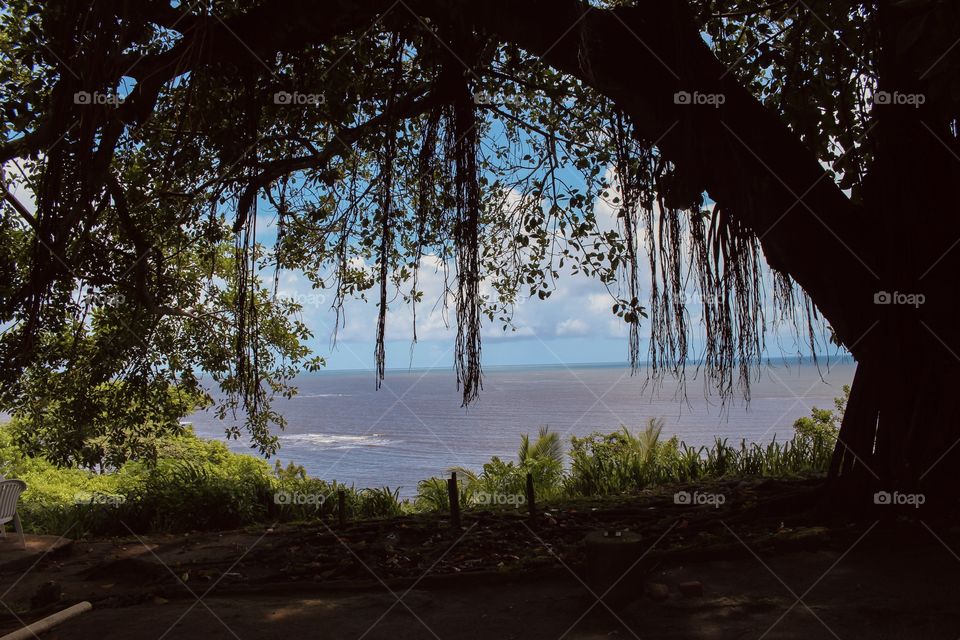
column 341, row 427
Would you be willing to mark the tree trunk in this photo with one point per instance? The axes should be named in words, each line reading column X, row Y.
column 901, row 429
column 901, row 432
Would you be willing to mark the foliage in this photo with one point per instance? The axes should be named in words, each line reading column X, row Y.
column 433, row 494
column 505, row 483
column 100, row 426
column 200, row 484
column 622, row 462
column 611, row 463
column 824, row 422
column 147, row 203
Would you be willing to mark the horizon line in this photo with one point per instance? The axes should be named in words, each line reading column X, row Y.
column 823, row 358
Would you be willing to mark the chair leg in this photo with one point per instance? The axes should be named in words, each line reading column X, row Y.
column 19, row 527
column 3, row 531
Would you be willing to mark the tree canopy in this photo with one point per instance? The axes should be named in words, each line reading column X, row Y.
column 726, row 133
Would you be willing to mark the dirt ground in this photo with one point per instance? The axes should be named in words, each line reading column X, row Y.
column 762, row 565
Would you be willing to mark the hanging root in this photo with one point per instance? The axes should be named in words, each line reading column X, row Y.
column 463, row 139
column 698, row 260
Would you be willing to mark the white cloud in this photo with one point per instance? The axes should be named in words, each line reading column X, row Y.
column 573, row 327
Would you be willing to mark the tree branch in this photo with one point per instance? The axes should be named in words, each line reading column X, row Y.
column 751, row 164
column 406, row 107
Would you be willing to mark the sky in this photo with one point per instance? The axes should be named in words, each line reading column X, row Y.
column 574, row 325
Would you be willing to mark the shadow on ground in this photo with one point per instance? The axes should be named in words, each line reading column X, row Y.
column 764, row 565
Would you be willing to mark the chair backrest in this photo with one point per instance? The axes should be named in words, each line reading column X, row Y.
column 10, row 491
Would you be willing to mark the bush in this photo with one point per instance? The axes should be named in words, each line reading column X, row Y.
column 502, row 483
column 621, row 462
column 196, row 484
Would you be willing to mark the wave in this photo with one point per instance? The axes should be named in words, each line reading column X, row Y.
column 323, row 395
column 331, row 441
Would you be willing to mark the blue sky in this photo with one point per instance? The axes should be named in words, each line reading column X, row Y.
column 574, row 325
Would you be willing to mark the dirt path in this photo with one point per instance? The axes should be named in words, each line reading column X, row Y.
column 766, row 571
column 915, row 597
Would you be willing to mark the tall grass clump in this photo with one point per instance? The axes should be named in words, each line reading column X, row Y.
column 626, row 461
column 502, row 483
column 623, row 462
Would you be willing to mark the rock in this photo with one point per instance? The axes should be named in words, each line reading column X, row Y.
column 691, row 589
column 658, row 591
column 49, row 592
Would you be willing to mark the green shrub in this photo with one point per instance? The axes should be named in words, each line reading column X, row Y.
column 824, row 423
column 196, row 484
column 433, row 494
column 621, row 462
column 504, row 484
column 379, row 503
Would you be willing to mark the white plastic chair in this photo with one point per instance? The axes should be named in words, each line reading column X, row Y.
column 10, row 491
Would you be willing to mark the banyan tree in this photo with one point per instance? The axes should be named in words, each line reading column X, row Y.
column 791, row 162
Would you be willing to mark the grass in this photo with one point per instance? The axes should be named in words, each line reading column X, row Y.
column 624, row 462
column 197, row 484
